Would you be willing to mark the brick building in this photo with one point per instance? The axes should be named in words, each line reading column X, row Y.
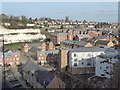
column 49, row 46
column 47, row 56
column 56, row 38
column 10, row 57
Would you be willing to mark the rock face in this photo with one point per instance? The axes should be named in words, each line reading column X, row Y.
column 20, row 35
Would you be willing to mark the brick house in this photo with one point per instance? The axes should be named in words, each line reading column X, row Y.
column 26, row 47
column 41, row 57
column 10, row 58
column 49, row 46
column 43, row 46
column 47, row 56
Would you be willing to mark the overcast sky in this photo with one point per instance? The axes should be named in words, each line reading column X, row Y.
column 90, row 11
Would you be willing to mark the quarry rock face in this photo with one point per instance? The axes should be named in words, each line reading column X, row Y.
column 20, row 35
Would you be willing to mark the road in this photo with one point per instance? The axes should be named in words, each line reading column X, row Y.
column 18, row 77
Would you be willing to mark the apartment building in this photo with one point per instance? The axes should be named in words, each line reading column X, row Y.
column 56, row 38
column 104, row 64
column 79, row 60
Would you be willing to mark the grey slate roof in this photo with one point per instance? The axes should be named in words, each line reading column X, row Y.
column 101, row 42
column 9, row 54
column 72, row 42
column 100, row 37
column 89, row 49
column 43, row 76
column 46, row 53
column 32, row 44
column 108, row 55
column 82, row 35
column 34, row 49
column 5, row 49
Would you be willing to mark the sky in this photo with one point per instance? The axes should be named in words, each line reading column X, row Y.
column 90, row 11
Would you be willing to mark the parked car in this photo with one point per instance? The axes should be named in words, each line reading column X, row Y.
column 17, row 85
column 9, row 76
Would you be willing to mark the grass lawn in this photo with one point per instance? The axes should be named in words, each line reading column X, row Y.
column 13, row 46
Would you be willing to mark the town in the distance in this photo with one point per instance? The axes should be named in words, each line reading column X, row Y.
column 58, row 53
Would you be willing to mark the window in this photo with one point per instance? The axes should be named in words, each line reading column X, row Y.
column 75, row 64
column 75, row 55
column 89, row 55
column 102, row 74
column 75, row 60
column 82, row 63
column 107, row 67
column 88, row 64
column 15, row 55
column 17, row 58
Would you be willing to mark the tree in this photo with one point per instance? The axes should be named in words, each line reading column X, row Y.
column 61, row 27
column 30, row 20
column 24, row 20
column 114, row 81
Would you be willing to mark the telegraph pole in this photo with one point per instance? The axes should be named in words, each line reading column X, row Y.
column 3, row 69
